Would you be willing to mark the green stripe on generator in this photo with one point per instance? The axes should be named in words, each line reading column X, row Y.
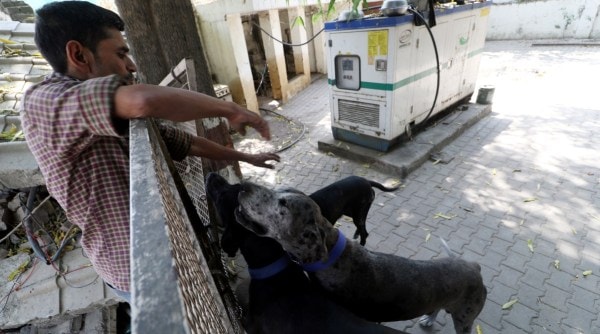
column 403, row 82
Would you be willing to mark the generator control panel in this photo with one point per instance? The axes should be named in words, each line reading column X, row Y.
column 347, row 72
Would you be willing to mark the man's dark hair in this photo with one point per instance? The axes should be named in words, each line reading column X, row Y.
column 59, row 22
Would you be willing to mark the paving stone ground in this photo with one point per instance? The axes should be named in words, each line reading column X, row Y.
column 521, row 196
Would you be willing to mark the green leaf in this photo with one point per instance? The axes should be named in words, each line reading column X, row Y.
column 298, row 20
column 530, row 244
column 478, row 329
column 330, row 8
column 587, row 273
column 509, row 304
column 530, row 199
column 15, row 273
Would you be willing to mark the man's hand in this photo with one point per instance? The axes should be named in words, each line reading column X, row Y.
column 243, row 118
column 260, row 159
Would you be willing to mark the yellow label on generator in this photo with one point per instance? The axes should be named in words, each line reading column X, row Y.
column 377, row 45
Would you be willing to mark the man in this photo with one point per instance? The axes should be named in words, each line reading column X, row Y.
column 76, row 125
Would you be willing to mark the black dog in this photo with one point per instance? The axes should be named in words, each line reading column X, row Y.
column 352, row 197
column 282, row 299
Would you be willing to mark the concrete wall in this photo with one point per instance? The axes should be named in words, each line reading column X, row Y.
column 544, row 19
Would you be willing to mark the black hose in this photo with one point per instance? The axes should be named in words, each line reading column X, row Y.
column 286, row 43
column 437, row 59
column 289, row 120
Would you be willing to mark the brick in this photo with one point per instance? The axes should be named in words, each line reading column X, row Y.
column 534, row 277
column 500, row 293
column 520, row 316
column 549, row 319
column 555, row 297
column 583, row 299
column 578, row 318
column 509, row 276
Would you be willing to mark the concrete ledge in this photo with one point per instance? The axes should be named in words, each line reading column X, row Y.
column 18, row 167
column 407, row 156
column 46, row 298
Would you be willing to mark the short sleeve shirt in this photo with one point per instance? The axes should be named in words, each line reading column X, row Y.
column 82, row 150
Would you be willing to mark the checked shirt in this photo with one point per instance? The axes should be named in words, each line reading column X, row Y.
column 83, row 153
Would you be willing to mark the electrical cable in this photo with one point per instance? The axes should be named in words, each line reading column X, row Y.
column 286, row 43
column 437, row 59
column 289, row 120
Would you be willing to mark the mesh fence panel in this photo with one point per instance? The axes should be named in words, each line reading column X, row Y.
column 207, row 301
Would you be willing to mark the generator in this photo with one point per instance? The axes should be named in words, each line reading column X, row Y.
column 383, row 72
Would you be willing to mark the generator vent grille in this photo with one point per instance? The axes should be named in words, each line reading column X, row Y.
column 362, row 113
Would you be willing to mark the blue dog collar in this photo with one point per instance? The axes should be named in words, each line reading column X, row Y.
column 334, row 254
column 271, row 269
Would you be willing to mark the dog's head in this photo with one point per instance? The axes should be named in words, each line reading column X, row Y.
column 258, row 251
column 225, row 199
column 288, row 216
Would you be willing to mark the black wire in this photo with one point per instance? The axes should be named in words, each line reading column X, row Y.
column 289, row 120
column 286, row 43
column 437, row 59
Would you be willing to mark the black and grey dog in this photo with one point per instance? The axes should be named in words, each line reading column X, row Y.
column 351, row 196
column 281, row 298
column 376, row 286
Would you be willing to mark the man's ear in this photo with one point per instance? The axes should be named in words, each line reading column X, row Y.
column 77, row 57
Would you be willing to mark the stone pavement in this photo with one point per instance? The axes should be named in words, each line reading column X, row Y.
column 521, row 196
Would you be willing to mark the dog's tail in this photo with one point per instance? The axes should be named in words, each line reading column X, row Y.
column 382, row 187
column 447, row 248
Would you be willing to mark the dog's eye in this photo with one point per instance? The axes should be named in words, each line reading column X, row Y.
column 282, row 202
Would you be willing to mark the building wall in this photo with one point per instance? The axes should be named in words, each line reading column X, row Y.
column 222, row 47
column 544, row 19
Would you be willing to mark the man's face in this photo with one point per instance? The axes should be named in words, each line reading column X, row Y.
column 112, row 57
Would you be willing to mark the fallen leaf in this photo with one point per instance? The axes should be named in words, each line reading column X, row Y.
column 587, row 273
column 595, row 217
column 7, row 41
column 522, row 222
column 494, row 171
column 428, row 236
column 478, row 329
column 530, row 244
column 20, row 269
column 574, row 231
column 436, row 162
column 516, row 171
column 557, row 264
column 441, row 215
column 530, row 199
column 509, row 304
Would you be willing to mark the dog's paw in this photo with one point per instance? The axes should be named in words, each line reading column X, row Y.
column 426, row 321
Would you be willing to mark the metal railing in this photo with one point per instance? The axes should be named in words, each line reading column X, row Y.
column 179, row 281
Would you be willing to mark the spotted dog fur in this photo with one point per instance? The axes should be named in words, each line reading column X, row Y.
column 376, row 286
column 281, row 298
